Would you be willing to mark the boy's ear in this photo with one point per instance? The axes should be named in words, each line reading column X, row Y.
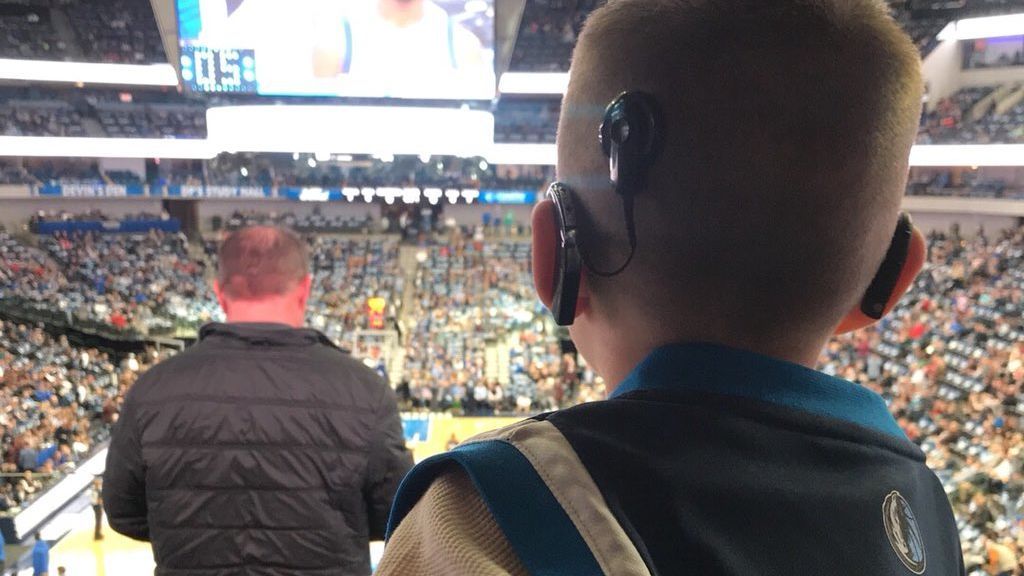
column 543, row 250
column 545, row 257
column 916, row 252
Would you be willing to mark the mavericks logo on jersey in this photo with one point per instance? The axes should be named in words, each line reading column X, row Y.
column 903, row 531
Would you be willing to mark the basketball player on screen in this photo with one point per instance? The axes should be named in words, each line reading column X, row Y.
column 396, row 47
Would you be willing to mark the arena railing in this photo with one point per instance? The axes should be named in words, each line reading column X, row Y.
column 16, row 527
column 91, row 333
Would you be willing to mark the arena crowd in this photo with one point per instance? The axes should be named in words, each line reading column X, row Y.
column 475, row 340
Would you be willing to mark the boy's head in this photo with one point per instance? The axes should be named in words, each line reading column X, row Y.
column 767, row 212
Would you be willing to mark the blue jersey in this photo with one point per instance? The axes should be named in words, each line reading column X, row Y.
column 40, row 558
column 715, row 462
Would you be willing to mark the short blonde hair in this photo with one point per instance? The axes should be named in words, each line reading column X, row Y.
column 788, row 128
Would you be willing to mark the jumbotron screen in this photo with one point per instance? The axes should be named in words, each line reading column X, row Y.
column 414, row 49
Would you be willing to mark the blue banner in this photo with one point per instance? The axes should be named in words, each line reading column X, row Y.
column 107, row 226
column 508, row 197
column 201, row 191
column 416, row 428
column 92, row 190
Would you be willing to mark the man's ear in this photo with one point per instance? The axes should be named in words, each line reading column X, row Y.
column 304, row 288
column 545, row 257
column 219, row 292
column 916, row 253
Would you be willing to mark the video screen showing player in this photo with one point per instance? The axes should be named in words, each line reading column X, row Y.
column 424, row 49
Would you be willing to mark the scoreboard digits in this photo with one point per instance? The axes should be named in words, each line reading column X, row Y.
column 218, row 70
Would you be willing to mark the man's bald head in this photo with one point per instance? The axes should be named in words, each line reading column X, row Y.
column 787, row 126
column 261, row 261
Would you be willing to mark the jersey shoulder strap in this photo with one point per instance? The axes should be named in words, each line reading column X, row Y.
column 541, row 497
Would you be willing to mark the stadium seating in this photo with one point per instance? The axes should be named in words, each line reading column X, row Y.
column 547, row 34
column 100, row 113
column 26, row 31
column 961, row 183
column 479, row 344
column 976, row 115
column 346, row 273
column 922, row 29
column 315, row 223
column 475, row 340
column 59, row 403
column 152, row 121
column 526, row 121
column 40, row 118
column 548, row 29
column 121, row 31
column 128, row 286
column 116, row 31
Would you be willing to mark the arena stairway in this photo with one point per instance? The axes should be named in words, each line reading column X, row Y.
column 62, row 25
column 497, row 360
column 491, row 361
column 407, row 264
column 396, row 364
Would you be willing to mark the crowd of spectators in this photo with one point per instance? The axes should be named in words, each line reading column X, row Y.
column 24, row 270
column 962, row 183
column 976, row 115
column 445, row 350
column 480, row 342
column 94, row 215
column 316, row 222
column 146, row 284
column 11, row 173
column 529, row 121
column 46, row 171
column 347, row 273
column 57, row 402
column 950, row 362
column 302, row 171
column 547, row 34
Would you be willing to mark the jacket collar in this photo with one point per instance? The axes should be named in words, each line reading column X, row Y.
column 719, row 369
column 264, row 333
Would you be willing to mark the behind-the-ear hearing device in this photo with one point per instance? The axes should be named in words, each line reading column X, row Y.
column 631, row 137
column 882, row 285
column 568, row 265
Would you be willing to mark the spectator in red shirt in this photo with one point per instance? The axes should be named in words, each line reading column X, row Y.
column 117, row 320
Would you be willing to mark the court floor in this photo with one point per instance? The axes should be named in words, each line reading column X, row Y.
column 115, row 555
